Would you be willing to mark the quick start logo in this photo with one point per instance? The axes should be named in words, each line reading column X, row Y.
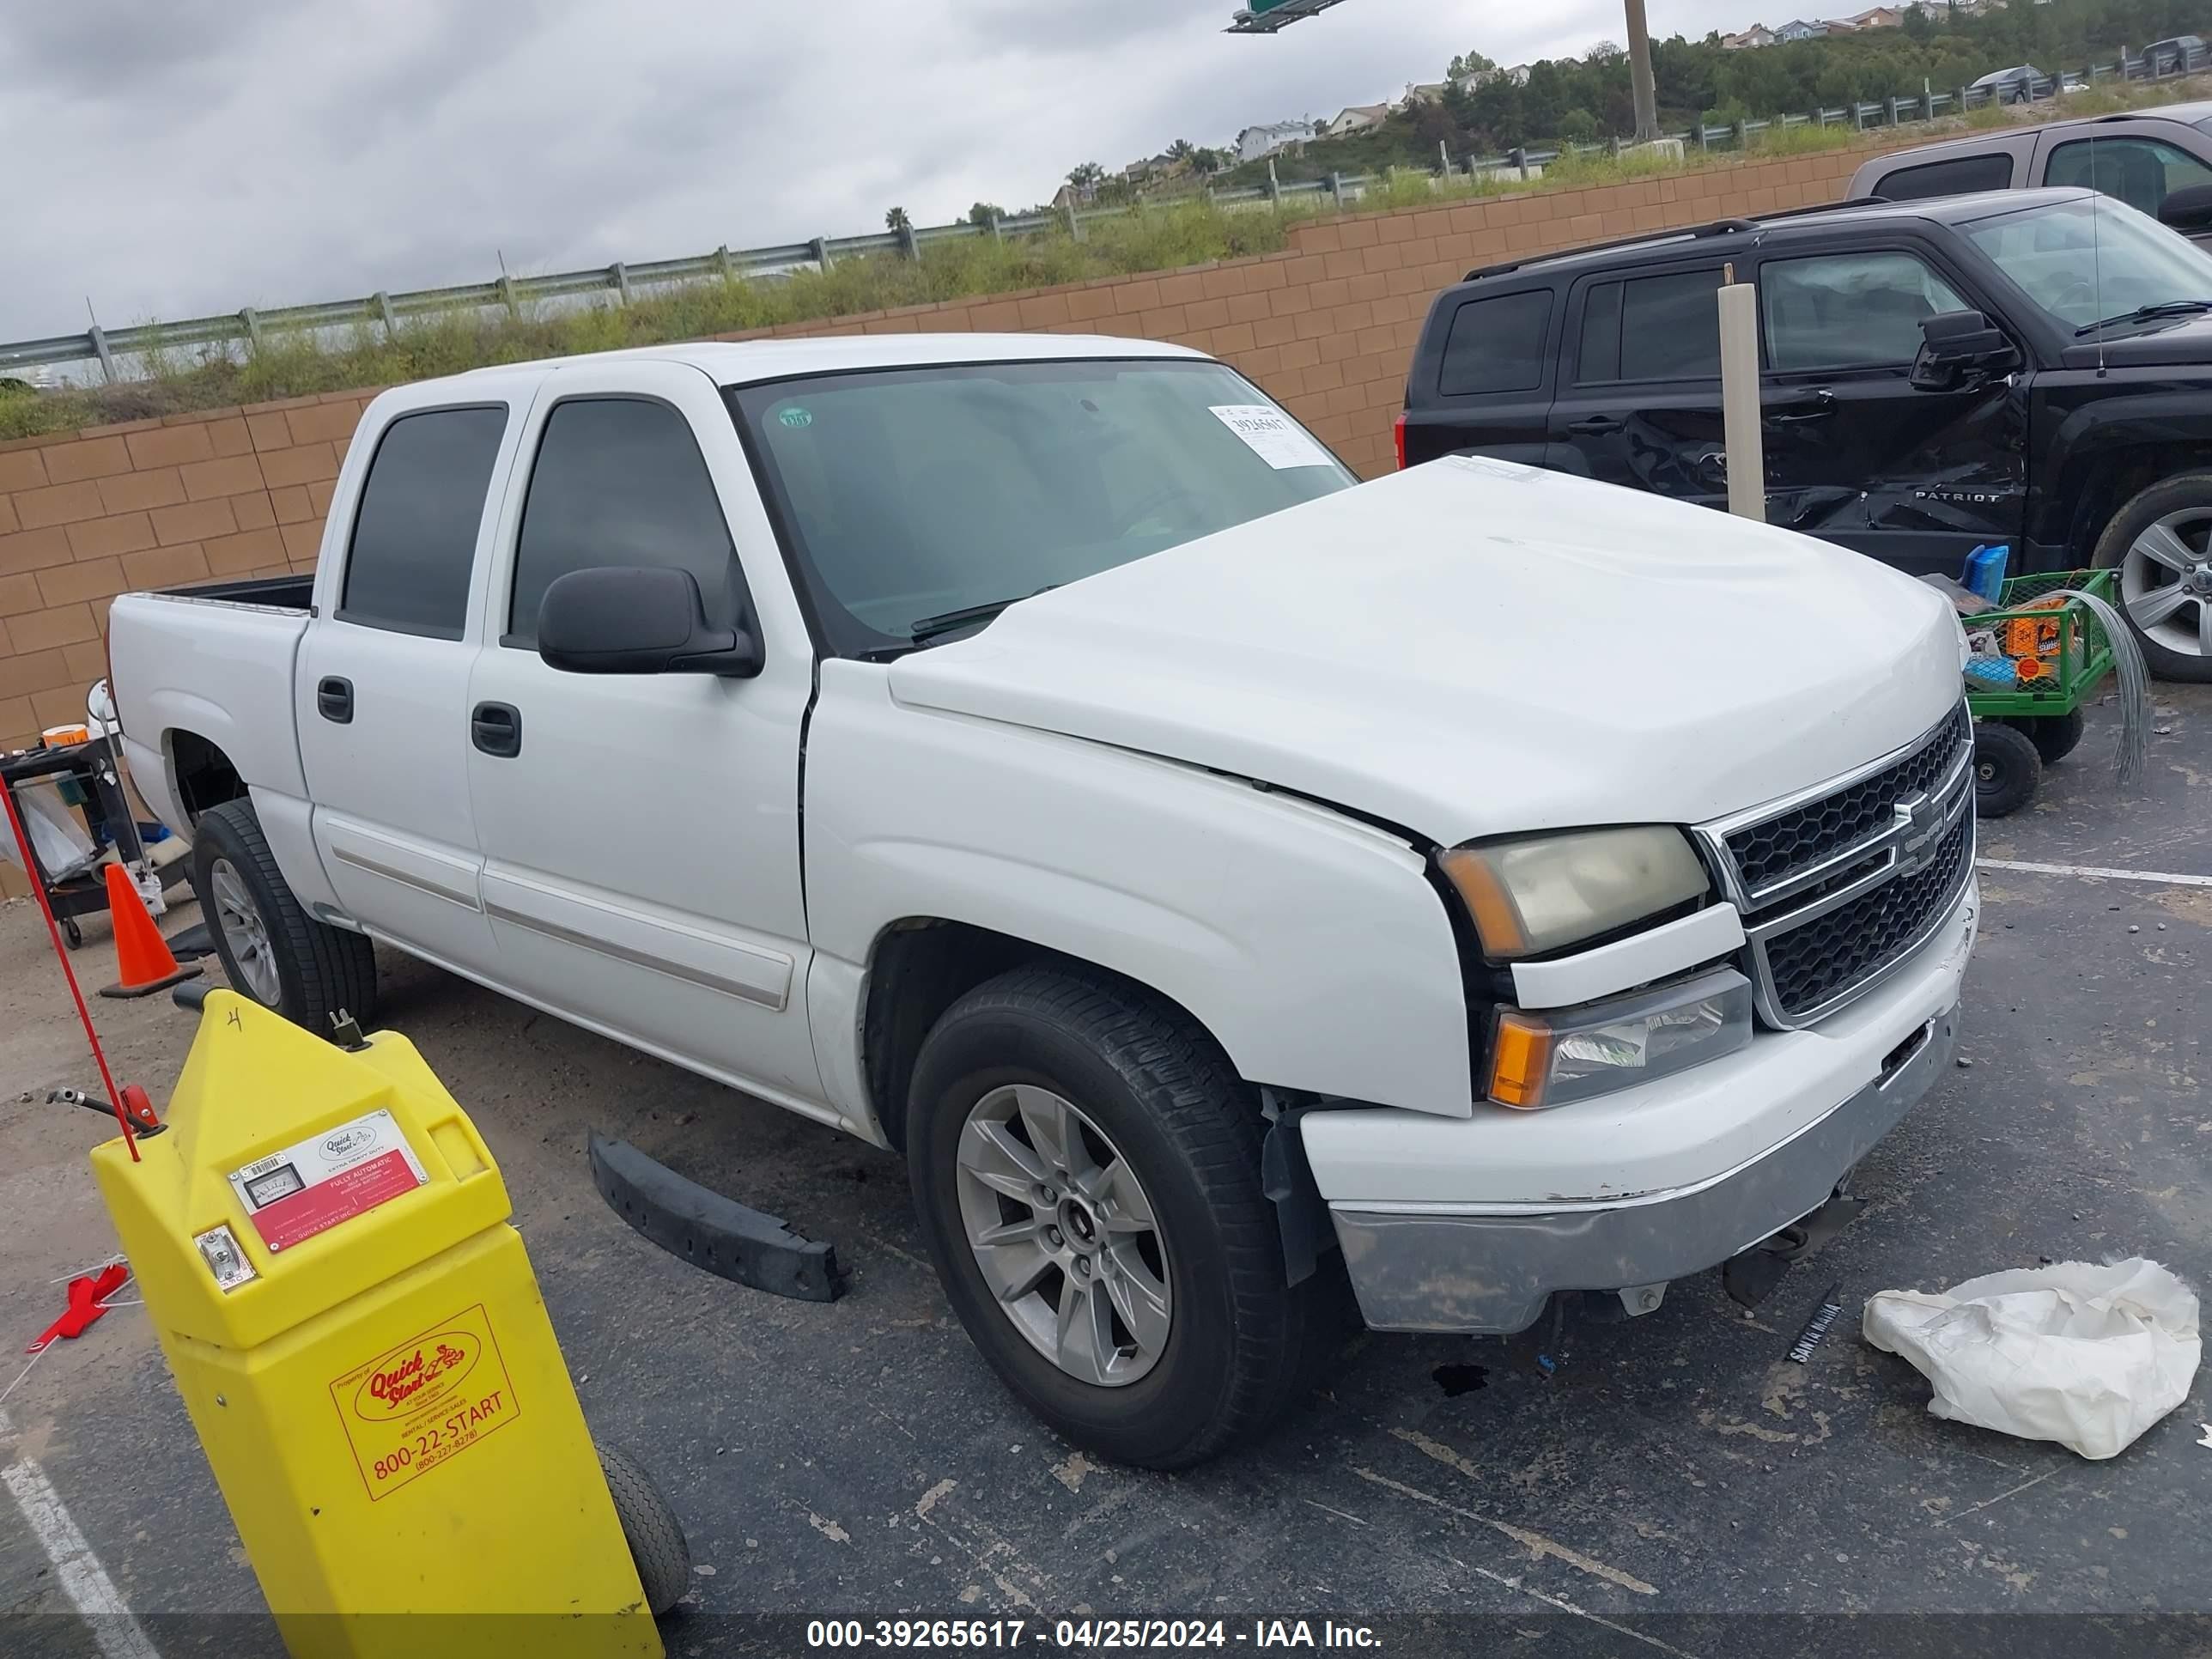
column 398, row 1384
column 416, row 1406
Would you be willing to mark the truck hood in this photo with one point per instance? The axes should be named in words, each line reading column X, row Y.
column 1473, row 647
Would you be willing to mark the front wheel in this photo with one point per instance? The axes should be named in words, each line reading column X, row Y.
column 2006, row 769
column 2160, row 541
column 1086, row 1165
column 271, row 949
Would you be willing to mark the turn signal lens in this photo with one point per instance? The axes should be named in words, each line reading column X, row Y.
column 1398, row 437
column 1566, row 1054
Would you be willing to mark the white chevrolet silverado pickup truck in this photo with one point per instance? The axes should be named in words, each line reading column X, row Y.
column 1220, row 879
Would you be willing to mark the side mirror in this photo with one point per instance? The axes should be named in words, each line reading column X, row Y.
column 2188, row 210
column 1960, row 350
column 638, row 620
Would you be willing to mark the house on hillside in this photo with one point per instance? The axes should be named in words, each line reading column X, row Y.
column 1756, row 36
column 1257, row 143
column 1358, row 118
column 1518, row 76
column 1878, row 17
column 1424, row 95
column 1799, row 28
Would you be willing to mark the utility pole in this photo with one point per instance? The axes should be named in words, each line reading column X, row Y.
column 1639, row 74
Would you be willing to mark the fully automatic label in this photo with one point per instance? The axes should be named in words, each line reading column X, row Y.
column 292, row 1195
column 421, row 1405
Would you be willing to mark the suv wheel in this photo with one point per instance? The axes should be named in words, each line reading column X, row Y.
column 2162, row 543
column 1086, row 1165
column 271, row 949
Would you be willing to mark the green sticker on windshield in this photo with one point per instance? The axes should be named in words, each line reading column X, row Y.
column 796, row 416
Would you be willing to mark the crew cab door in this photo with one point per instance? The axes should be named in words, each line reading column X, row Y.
column 1639, row 397
column 1855, row 452
column 384, row 673
column 640, row 832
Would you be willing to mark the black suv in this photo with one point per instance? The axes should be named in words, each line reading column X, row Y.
column 2029, row 367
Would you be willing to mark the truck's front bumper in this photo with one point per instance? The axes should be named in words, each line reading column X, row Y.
column 1454, row 1259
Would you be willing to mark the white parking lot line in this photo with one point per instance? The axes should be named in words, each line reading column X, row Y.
column 76, row 1569
column 2156, row 878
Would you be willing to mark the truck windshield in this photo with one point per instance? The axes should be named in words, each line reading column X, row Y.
column 2085, row 266
column 909, row 495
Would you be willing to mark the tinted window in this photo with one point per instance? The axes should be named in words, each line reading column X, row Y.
column 1497, row 345
column 1848, row 310
column 905, row 494
column 1958, row 175
column 1670, row 327
column 414, row 535
column 2140, row 172
column 619, row 481
column 1599, row 356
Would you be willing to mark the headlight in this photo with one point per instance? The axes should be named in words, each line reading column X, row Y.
column 1537, row 895
column 1551, row 1058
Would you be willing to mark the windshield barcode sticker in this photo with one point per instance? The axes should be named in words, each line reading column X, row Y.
column 1272, row 435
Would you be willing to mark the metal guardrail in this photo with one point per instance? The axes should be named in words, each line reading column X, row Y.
column 620, row 281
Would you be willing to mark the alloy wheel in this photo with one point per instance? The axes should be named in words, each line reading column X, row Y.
column 246, row 933
column 2165, row 581
column 1064, row 1235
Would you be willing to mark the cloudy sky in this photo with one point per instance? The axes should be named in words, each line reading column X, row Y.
column 179, row 157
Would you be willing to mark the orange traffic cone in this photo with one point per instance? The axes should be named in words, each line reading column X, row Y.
column 142, row 961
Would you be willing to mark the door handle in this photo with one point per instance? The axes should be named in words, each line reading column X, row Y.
column 1818, row 407
column 496, row 728
column 1595, row 426
column 334, row 699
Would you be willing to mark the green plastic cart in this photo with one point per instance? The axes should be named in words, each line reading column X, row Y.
column 2022, row 728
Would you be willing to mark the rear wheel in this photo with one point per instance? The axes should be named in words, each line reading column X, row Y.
column 2006, row 769
column 657, row 1547
column 271, row 949
column 1086, row 1165
column 2055, row 736
column 2161, row 545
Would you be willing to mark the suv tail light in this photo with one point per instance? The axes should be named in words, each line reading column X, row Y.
column 1398, row 437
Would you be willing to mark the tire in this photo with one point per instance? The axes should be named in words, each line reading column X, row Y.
column 1157, row 1093
column 657, row 1547
column 2055, row 736
column 306, row 970
column 2006, row 769
column 2177, row 642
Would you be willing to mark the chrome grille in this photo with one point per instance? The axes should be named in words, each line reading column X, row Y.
column 1831, row 954
column 1839, row 884
column 1770, row 853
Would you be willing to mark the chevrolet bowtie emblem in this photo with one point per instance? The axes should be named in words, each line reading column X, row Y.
column 1920, row 824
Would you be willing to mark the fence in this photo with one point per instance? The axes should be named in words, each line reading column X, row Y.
column 620, row 281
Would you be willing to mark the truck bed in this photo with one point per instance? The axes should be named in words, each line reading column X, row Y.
column 218, row 660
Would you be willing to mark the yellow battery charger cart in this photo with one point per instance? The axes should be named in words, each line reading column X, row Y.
column 324, row 1244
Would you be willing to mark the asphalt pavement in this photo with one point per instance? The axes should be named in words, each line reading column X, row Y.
column 1667, row 1483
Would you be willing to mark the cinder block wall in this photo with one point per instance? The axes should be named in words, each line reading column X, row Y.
column 1327, row 326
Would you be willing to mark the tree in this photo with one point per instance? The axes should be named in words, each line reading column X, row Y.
column 1181, row 150
column 983, row 212
column 1605, row 51
column 896, row 220
column 1087, row 176
column 1578, row 126
column 1467, row 66
column 1919, row 26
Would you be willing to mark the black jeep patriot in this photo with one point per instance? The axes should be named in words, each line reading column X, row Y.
column 2028, row 367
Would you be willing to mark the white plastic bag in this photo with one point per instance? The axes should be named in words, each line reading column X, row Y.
column 2088, row 1356
column 56, row 833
